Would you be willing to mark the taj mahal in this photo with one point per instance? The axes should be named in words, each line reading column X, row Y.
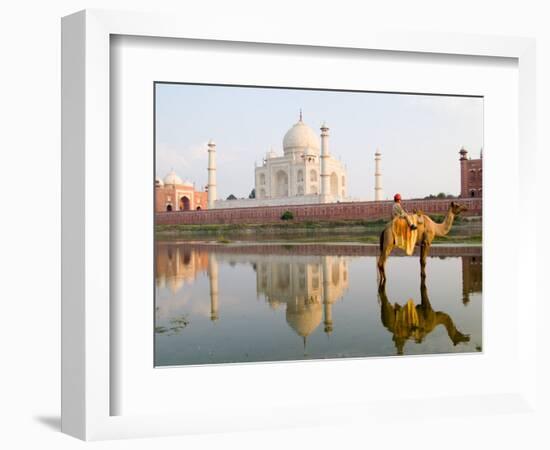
column 306, row 173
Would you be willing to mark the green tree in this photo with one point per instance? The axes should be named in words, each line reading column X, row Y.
column 287, row 215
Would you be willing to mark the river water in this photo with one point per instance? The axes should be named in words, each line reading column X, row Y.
column 247, row 302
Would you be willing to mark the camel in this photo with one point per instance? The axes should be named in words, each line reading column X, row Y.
column 425, row 234
column 412, row 321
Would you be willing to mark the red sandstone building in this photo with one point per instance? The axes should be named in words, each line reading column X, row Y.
column 173, row 194
column 471, row 175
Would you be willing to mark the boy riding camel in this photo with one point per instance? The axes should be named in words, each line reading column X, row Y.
column 398, row 211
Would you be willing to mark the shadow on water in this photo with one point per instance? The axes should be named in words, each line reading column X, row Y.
column 323, row 301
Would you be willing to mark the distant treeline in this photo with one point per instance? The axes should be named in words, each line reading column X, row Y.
column 441, row 195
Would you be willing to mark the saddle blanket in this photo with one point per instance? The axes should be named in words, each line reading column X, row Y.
column 405, row 238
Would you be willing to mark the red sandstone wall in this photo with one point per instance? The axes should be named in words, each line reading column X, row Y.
column 333, row 211
column 201, row 200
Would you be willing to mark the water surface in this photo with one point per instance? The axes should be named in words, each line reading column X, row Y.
column 243, row 302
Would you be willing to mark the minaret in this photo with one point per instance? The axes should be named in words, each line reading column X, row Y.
column 325, row 177
column 377, row 176
column 327, row 307
column 463, row 172
column 211, row 173
column 213, row 279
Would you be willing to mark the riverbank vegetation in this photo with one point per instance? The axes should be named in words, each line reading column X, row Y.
column 465, row 231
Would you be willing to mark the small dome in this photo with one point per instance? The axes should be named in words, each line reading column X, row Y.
column 299, row 138
column 158, row 182
column 271, row 154
column 172, row 178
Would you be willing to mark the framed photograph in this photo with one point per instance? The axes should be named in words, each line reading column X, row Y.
column 289, row 210
column 301, row 227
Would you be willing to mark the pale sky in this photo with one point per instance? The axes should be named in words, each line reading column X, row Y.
column 419, row 136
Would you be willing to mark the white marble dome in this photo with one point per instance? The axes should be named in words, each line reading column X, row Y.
column 172, row 179
column 299, row 138
column 187, row 183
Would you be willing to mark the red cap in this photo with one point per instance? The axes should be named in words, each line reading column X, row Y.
column 396, row 197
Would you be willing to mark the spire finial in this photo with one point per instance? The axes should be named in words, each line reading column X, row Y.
column 300, row 114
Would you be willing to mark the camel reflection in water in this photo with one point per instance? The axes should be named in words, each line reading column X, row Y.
column 412, row 321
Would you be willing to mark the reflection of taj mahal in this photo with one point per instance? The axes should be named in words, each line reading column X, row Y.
column 308, row 286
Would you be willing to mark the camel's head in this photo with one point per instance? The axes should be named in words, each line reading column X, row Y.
column 457, row 208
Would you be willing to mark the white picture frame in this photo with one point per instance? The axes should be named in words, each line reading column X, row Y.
column 86, row 217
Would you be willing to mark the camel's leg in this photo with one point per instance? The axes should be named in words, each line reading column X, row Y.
column 424, row 250
column 386, row 246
